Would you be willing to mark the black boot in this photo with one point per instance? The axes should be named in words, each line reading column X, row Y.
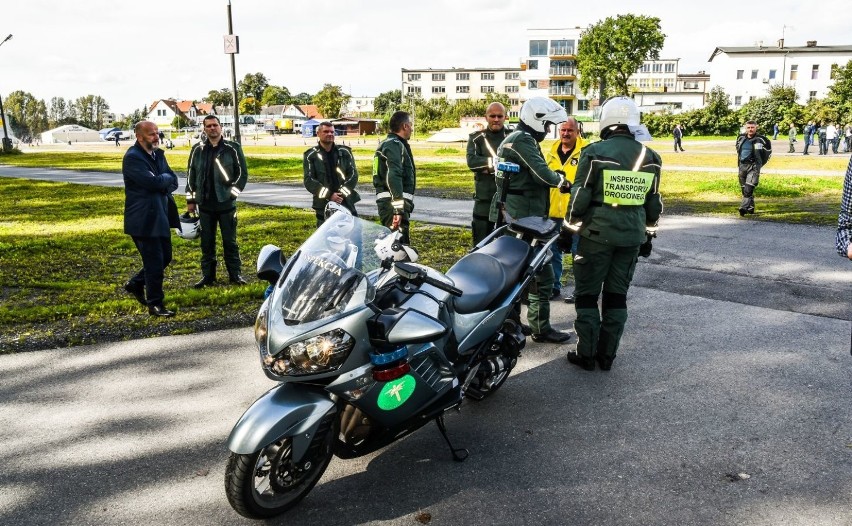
column 204, row 282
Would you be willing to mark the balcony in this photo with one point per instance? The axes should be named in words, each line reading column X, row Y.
column 563, row 72
column 561, row 92
column 561, row 52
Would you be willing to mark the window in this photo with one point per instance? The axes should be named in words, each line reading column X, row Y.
column 533, row 84
column 414, row 76
column 645, row 68
column 582, row 105
column 833, row 71
column 413, row 89
column 439, row 89
column 657, row 68
column 815, row 72
column 538, row 48
column 690, row 85
column 739, row 74
column 670, row 83
column 462, row 89
column 561, row 47
column 794, row 72
column 513, row 114
column 439, row 76
column 487, row 89
column 753, row 74
column 511, row 89
column 532, row 64
column 514, row 102
column 752, row 97
column 772, row 73
column 161, row 113
column 738, row 101
column 462, row 76
column 670, row 68
column 643, row 83
column 812, row 95
column 512, row 75
column 487, row 76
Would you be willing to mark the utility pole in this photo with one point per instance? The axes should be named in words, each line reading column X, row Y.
column 7, row 142
column 232, row 47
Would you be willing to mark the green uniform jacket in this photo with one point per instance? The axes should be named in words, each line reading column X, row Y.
column 394, row 174
column 229, row 176
column 529, row 189
column 620, row 225
column 482, row 148
column 317, row 180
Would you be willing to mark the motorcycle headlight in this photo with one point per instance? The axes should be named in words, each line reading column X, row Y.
column 261, row 331
column 319, row 354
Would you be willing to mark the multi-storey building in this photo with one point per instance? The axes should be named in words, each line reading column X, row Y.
column 549, row 69
column 463, row 83
column 746, row 73
column 657, row 85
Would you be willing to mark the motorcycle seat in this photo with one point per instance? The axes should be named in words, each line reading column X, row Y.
column 489, row 273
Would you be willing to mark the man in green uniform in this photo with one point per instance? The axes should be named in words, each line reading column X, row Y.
column 395, row 177
column 528, row 194
column 481, row 151
column 216, row 174
column 615, row 206
column 329, row 173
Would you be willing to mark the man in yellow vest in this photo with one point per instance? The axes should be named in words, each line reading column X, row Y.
column 563, row 155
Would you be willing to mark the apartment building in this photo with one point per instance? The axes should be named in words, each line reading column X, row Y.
column 463, row 83
column 746, row 73
column 549, row 68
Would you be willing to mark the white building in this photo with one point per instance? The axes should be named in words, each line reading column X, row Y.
column 359, row 106
column 549, row 69
column 745, row 73
column 463, row 83
column 658, row 86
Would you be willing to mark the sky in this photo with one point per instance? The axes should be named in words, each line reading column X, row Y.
column 133, row 53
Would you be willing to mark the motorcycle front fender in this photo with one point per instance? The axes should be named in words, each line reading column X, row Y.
column 288, row 410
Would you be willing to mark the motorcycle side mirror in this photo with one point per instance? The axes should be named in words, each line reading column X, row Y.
column 406, row 271
column 270, row 263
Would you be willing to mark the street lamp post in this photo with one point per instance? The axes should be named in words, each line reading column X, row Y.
column 7, row 142
column 232, row 47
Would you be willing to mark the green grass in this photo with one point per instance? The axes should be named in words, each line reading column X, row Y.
column 65, row 258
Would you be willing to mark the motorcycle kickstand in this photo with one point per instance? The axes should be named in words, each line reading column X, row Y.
column 459, row 454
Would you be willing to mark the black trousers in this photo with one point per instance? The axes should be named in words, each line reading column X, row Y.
column 156, row 255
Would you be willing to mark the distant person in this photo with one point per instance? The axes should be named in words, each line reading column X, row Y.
column 848, row 138
column 216, row 174
column 149, row 214
column 753, row 151
column 791, row 135
column 481, row 154
column 808, row 136
column 678, row 137
column 394, row 176
column 843, row 240
column 329, row 173
column 831, row 138
column 564, row 155
column 117, row 137
column 822, row 134
column 775, row 130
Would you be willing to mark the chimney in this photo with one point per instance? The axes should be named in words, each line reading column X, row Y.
column 781, row 43
column 811, row 43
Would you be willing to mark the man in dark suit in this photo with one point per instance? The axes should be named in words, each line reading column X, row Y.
column 149, row 214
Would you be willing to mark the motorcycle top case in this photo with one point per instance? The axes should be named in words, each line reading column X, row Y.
column 393, row 402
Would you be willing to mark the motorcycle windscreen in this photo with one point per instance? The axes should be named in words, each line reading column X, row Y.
column 328, row 274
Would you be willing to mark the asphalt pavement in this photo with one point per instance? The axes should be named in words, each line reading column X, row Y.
column 730, row 403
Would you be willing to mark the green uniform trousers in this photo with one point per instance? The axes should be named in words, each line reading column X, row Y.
column 484, row 190
column 599, row 267
column 540, row 290
column 226, row 220
column 386, row 217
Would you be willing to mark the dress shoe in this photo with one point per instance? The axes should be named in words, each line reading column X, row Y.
column 571, row 299
column 236, row 279
column 604, row 363
column 551, row 335
column 161, row 311
column 556, row 294
column 137, row 291
column 581, row 361
column 525, row 329
column 206, row 281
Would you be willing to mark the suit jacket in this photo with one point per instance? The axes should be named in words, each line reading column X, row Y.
column 149, row 208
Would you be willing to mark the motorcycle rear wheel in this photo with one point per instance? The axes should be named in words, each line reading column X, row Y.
column 268, row 483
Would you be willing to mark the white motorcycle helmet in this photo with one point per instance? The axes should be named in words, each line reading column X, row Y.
column 539, row 113
column 389, row 247
column 190, row 226
column 622, row 111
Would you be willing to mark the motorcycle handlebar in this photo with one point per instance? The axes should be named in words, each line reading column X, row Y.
column 449, row 289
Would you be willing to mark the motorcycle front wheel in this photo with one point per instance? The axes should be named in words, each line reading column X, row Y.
column 268, row 483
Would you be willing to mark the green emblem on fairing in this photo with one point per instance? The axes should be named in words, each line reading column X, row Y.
column 396, row 392
column 622, row 187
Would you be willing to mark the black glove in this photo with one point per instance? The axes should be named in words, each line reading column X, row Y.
column 645, row 248
column 565, row 240
column 566, row 187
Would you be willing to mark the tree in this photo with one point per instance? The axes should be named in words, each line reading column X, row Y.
column 220, row 97
column 388, row 102
column 840, row 93
column 252, row 85
column 180, row 121
column 27, row 115
column 331, row 100
column 273, row 96
column 612, row 50
column 302, row 98
column 91, row 111
column 249, row 106
column 778, row 106
column 59, row 112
